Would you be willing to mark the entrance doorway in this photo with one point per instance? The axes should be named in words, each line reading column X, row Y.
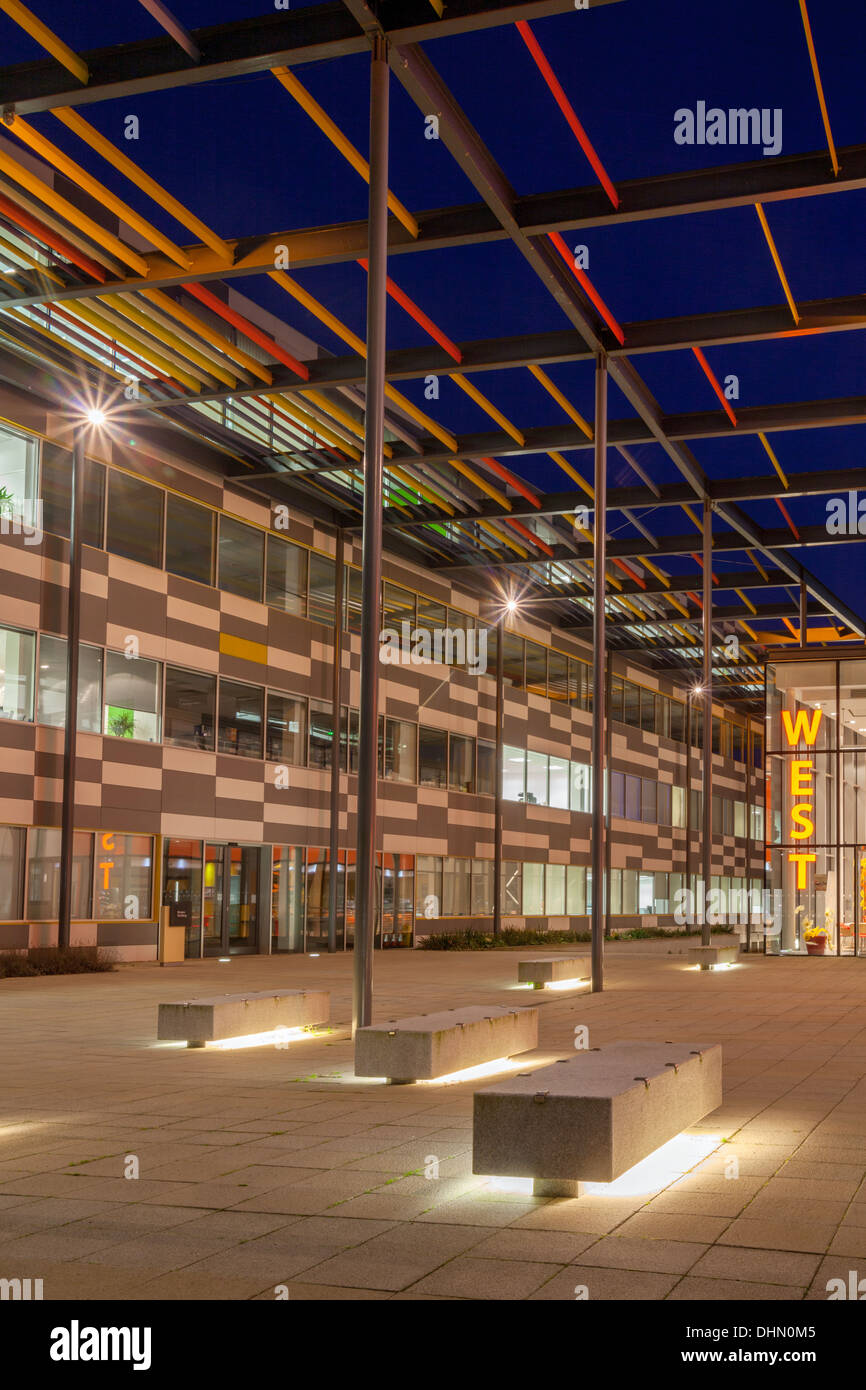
column 230, row 899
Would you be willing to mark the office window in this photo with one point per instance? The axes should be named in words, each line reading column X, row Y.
column 286, row 730
column 738, row 743
column 55, row 492
column 51, row 697
column 717, row 815
column 428, row 886
column 401, row 739
column 581, row 787
column 663, row 716
column 740, row 819
column 536, row 779
column 134, row 527
column 727, row 817
column 512, row 894
column 557, row 676
column 321, row 733
column 398, row 606
column 645, row 899
column 575, row 890
column 696, row 804
column 554, row 890
column 43, row 874
column 615, row 892
column 616, row 697
column 11, row 872
column 647, row 711
column 757, row 750
column 482, row 888
column 676, row 714
column 241, row 714
column 189, row 532
column 558, row 775
column 19, row 455
column 132, row 690
column 286, row 577
column 631, row 704
column 485, row 774
column 512, row 659
column 648, row 801
column 718, row 734
column 632, row 798
column 456, row 887
column 576, row 677
column 432, row 617
column 350, row 735
column 533, row 890
column 513, row 773
column 352, row 598
column 678, row 807
column 241, row 555
column 123, row 875
column 323, row 583
column 17, row 659
column 664, row 803
column 536, row 668
column 617, row 794
column 756, row 819
column 629, row 892
column 432, row 757
column 461, row 763
column 190, row 701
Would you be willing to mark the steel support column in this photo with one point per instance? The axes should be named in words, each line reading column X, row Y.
column 599, row 887
column 497, row 792
column 707, row 816
column 371, row 582
column 73, row 626
column 336, row 752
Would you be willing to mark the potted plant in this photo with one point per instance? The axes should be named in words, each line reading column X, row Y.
column 816, row 939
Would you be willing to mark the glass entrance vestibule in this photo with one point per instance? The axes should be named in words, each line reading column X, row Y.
column 816, row 803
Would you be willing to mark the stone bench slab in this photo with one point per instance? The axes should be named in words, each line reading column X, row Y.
column 433, row 1045
column 708, row 956
column 554, row 968
column 200, row 1021
column 593, row 1117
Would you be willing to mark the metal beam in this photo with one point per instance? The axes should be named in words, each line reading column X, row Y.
column 599, row 679
column 70, row 736
column 707, row 731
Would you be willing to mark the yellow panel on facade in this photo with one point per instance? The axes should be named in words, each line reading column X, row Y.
column 242, row 647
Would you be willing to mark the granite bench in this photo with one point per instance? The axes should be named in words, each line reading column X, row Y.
column 591, row 1117
column 200, row 1021
column 554, row 969
column 434, row 1045
column 708, row 957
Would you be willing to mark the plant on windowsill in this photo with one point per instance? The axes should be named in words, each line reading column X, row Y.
column 121, row 723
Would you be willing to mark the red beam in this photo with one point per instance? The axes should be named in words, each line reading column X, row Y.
column 567, row 109
column 57, row 243
column 711, row 378
column 516, row 483
column 530, row 536
column 238, row 321
column 784, row 510
column 420, row 317
column 584, row 281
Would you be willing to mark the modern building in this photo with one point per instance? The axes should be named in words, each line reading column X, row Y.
column 271, row 509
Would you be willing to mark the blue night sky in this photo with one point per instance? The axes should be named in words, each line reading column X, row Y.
column 244, row 157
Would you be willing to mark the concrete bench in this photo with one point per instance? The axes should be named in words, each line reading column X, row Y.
column 200, row 1021
column 434, row 1045
column 539, row 973
column 592, row 1117
column 708, row 957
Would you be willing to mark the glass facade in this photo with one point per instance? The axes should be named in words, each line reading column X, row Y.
column 815, row 810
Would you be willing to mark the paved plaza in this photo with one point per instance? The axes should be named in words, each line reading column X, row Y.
column 265, row 1169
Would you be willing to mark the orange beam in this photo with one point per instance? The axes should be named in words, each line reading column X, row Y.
column 713, row 380
column 586, row 284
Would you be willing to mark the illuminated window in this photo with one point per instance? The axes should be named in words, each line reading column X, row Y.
column 123, row 877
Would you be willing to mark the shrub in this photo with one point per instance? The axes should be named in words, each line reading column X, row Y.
column 470, row 940
column 54, row 960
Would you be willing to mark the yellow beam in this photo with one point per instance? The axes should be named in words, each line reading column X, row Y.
column 572, row 472
column 696, row 521
column 210, row 335
column 103, row 195
column 503, row 538
column 482, row 483
column 819, row 86
column 758, row 566
column 46, row 39
column 318, row 309
column 46, row 194
column 421, row 419
column 217, row 359
column 777, row 261
column 488, row 407
column 333, row 132
column 426, row 492
column 562, row 400
column 134, row 343
column 316, row 427
column 746, row 601
column 654, row 569
column 343, row 417
column 775, row 462
column 170, row 340
column 154, row 190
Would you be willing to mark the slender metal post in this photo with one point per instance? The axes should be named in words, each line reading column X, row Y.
column 371, row 582
column 336, row 751
column 689, row 798
column 804, row 631
column 497, row 793
column 73, row 627
column 707, row 818
column 599, row 895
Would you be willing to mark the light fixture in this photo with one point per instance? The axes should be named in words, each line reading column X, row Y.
column 95, row 417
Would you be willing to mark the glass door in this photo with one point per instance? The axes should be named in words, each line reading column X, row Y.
column 230, row 899
column 212, row 900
